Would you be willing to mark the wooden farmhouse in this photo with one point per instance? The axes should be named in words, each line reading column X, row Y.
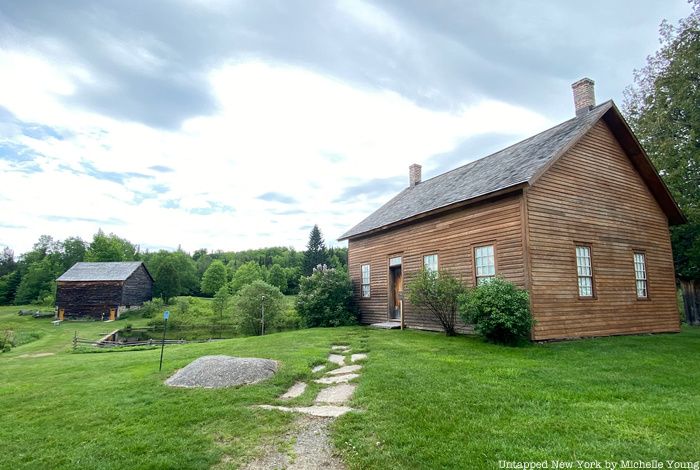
column 577, row 215
column 102, row 290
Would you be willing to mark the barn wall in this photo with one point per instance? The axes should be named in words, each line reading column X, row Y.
column 138, row 288
column 88, row 298
column 453, row 238
column 594, row 195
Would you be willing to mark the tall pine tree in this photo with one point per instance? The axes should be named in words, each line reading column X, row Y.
column 315, row 253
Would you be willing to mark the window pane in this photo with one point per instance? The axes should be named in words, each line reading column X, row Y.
column 365, row 290
column 365, row 274
column 584, row 271
column 395, row 261
column 484, row 261
column 585, row 287
column 430, row 263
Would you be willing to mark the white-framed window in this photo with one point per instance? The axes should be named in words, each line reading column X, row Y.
column 395, row 261
column 365, row 280
column 430, row 263
column 640, row 274
column 584, row 271
column 484, row 263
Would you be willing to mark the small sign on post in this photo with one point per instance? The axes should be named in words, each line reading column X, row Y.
column 166, row 315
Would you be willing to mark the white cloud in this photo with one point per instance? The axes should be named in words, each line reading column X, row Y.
column 273, row 132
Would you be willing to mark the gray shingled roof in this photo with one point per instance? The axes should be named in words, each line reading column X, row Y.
column 106, row 271
column 506, row 168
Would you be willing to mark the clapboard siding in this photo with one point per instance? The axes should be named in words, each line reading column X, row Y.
column 452, row 237
column 594, row 195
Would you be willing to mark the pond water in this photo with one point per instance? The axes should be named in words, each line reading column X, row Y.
column 185, row 333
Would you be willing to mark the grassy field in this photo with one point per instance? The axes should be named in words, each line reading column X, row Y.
column 428, row 401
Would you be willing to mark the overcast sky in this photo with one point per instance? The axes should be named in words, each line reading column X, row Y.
column 239, row 124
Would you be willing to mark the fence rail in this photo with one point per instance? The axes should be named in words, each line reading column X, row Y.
column 150, row 342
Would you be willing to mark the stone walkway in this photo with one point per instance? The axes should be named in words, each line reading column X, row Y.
column 312, row 450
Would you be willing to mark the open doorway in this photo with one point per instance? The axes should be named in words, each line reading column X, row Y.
column 395, row 289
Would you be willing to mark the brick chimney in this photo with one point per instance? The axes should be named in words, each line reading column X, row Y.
column 414, row 174
column 584, row 95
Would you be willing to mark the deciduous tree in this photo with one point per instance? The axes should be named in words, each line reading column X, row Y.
column 663, row 108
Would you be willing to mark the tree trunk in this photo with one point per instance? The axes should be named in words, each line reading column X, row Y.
column 691, row 301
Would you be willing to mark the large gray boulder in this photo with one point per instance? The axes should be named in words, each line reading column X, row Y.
column 223, row 371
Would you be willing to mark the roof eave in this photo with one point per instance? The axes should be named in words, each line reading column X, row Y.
column 436, row 211
column 644, row 166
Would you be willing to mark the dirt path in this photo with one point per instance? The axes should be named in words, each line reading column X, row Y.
column 311, row 450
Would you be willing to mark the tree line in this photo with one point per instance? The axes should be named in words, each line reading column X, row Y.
column 31, row 277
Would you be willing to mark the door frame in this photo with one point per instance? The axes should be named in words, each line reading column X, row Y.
column 391, row 300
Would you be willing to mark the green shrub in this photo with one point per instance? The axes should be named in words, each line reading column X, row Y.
column 499, row 310
column 248, row 303
column 152, row 308
column 438, row 294
column 289, row 318
column 7, row 340
column 325, row 298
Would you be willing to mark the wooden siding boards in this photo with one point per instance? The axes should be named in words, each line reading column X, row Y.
column 88, row 298
column 137, row 288
column 594, row 195
column 452, row 236
column 94, row 299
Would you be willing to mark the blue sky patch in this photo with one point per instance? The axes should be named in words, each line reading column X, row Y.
column 213, row 207
column 277, row 197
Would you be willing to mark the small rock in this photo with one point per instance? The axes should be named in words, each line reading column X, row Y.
column 318, row 368
column 340, row 348
column 336, row 359
column 337, row 394
column 358, row 357
column 294, row 391
column 345, row 370
column 337, row 379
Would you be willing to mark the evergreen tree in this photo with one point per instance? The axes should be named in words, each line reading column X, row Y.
column 215, row 277
column 167, row 281
column 316, row 252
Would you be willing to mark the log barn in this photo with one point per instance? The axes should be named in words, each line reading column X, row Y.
column 577, row 215
column 102, row 290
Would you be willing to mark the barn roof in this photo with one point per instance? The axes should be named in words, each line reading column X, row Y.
column 511, row 168
column 104, row 271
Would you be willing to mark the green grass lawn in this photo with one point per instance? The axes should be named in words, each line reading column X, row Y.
column 428, row 401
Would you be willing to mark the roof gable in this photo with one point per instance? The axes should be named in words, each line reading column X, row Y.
column 516, row 166
column 104, row 271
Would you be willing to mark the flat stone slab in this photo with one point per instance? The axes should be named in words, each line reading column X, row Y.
column 345, row 370
column 358, row 357
column 336, row 359
column 294, row 391
column 318, row 368
column 387, row 325
column 316, row 410
column 337, row 394
column 336, row 347
column 336, row 379
column 222, row 371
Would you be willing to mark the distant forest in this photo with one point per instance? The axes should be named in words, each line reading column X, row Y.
column 31, row 277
